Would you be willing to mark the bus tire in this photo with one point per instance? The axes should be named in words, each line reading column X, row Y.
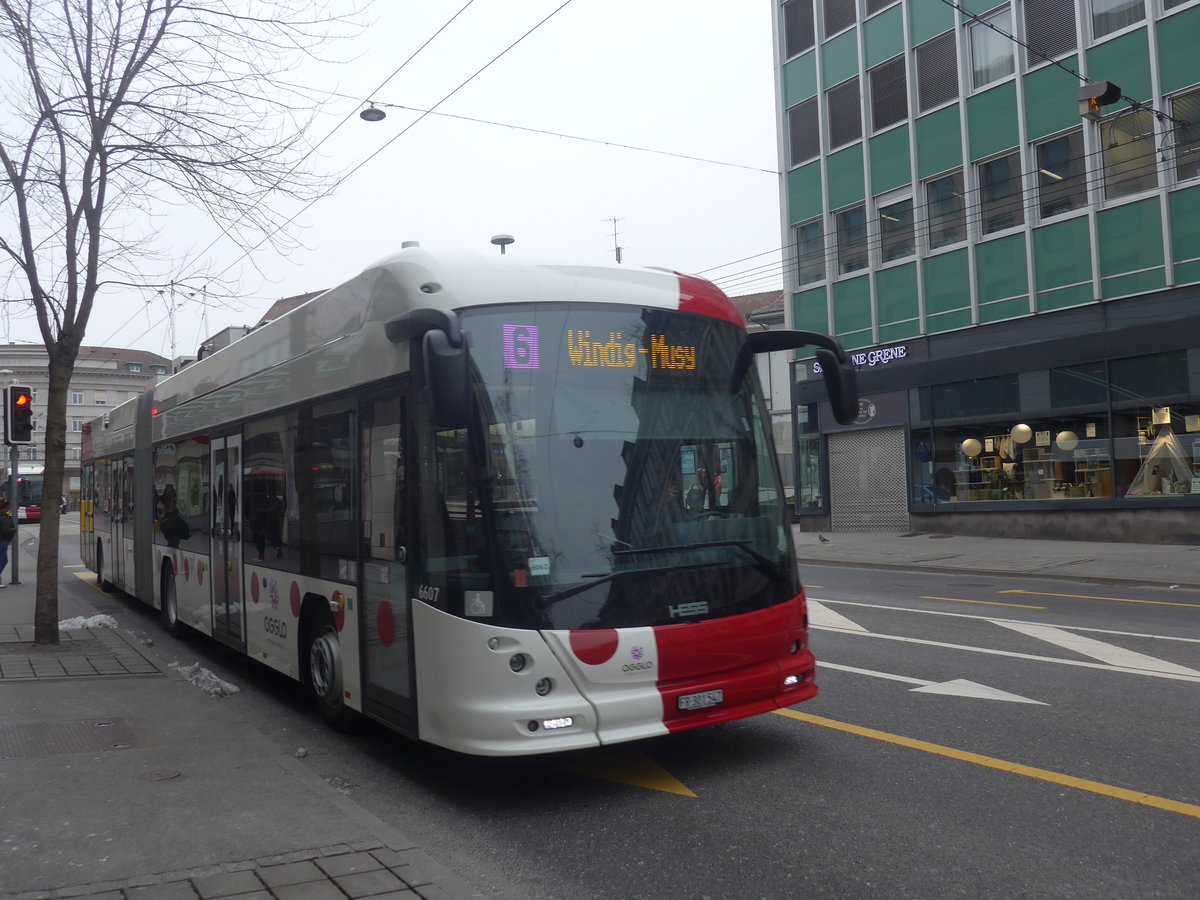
column 104, row 583
column 324, row 671
column 170, row 606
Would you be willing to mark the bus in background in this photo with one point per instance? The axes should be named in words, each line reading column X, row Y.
column 503, row 507
column 28, row 503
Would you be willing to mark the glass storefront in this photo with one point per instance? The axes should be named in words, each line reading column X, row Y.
column 1121, row 429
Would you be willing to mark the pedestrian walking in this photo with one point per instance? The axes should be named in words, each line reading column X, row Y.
column 8, row 528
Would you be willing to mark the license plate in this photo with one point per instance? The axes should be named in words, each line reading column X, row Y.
column 702, row 700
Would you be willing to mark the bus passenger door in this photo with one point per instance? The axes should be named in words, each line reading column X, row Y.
column 227, row 600
column 387, row 543
column 122, row 523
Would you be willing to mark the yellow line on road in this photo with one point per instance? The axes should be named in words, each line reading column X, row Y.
column 985, row 602
column 1083, row 784
column 1113, row 599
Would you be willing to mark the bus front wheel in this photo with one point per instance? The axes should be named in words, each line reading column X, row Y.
column 325, row 671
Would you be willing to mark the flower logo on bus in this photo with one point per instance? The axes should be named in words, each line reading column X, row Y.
column 639, row 663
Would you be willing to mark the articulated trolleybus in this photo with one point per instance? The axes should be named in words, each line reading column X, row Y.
column 501, row 507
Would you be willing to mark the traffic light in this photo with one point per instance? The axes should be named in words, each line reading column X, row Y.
column 18, row 414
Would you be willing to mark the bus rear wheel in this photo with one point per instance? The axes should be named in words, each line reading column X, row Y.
column 170, row 607
column 325, row 672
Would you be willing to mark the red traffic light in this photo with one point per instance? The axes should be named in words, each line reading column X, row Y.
column 22, row 400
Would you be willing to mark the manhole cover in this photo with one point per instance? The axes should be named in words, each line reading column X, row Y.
column 34, row 740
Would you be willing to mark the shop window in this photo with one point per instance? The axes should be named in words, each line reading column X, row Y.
column 889, row 94
column 991, row 52
column 1186, row 110
column 1049, row 29
column 845, row 113
column 1112, row 15
column 946, row 210
column 1130, row 162
column 896, row 234
column 804, row 132
column 1001, row 204
column 1078, row 386
column 852, row 239
column 979, row 397
column 1158, row 451
column 839, row 14
column 1064, row 458
column 808, row 458
column 937, row 71
column 1142, row 378
column 1062, row 179
column 799, row 34
column 810, row 252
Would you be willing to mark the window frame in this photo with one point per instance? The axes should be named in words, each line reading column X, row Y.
column 902, row 236
column 980, row 24
column 1108, row 144
column 1120, row 29
column 855, row 250
column 802, row 267
column 1043, row 172
column 1176, row 166
column 931, row 219
column 981, row 186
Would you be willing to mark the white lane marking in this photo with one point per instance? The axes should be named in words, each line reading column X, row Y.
column 821, row 616
column 1107, row 653
column 958, row 687
column 1078, row 663
column 1002, row 621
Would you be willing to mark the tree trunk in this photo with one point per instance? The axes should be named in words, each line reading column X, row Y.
column 62, row 368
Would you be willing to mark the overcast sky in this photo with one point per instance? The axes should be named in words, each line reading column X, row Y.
column 686, row 77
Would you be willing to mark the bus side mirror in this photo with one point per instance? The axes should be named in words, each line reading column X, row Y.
column 446, row 357
column 841, row 380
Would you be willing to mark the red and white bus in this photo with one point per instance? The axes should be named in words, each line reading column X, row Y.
column 459, row 496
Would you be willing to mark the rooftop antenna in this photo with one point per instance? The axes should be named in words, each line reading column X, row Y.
column 503, row 240
column 617, row 248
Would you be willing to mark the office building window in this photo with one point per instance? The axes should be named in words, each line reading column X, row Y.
column 937, row 71
column 810, row 252
column 845, row 113
column 945, row 210
column 991, row 52
column 76, row 398
column 1001, row 203
column 852, row 239
column 798, row 31
column 1049, row 29
column 1062, row 178
column 896, row 233
column 77, row 424
column 1130, row 161
column 1186, row 109
column 889, row 94
column 804, row 132
column 839, row 14
column 1111, row 15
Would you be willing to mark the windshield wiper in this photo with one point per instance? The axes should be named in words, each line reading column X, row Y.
column 602, row 577
column 763, row 563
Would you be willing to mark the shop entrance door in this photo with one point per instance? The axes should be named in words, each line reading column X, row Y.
column 867, row 481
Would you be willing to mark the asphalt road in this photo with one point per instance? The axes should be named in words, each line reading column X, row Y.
column 1080, row 780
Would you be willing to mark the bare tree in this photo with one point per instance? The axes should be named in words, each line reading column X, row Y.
column 114, row 110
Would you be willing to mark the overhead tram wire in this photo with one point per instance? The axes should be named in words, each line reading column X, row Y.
column 342, row 179
column 348, row 117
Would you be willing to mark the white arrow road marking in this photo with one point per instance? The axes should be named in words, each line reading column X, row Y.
column 821, row 616
column 1107, row 653
column 958, row 687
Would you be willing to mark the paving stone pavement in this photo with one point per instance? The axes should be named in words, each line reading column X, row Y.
column 341, row 872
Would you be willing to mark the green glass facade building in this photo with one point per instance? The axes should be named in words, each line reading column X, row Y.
column 1017, row 270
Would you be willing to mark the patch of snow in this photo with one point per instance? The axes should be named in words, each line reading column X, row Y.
column 81, row 622
column 206, row 680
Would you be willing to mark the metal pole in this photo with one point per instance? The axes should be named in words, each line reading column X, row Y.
column 14, row 546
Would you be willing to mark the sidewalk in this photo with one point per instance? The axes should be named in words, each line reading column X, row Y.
column 120, row 779
column 1099, row 563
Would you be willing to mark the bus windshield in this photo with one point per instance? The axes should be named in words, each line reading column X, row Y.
column 630, row 476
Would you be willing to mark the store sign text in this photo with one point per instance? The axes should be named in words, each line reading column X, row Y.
column 873, row 357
